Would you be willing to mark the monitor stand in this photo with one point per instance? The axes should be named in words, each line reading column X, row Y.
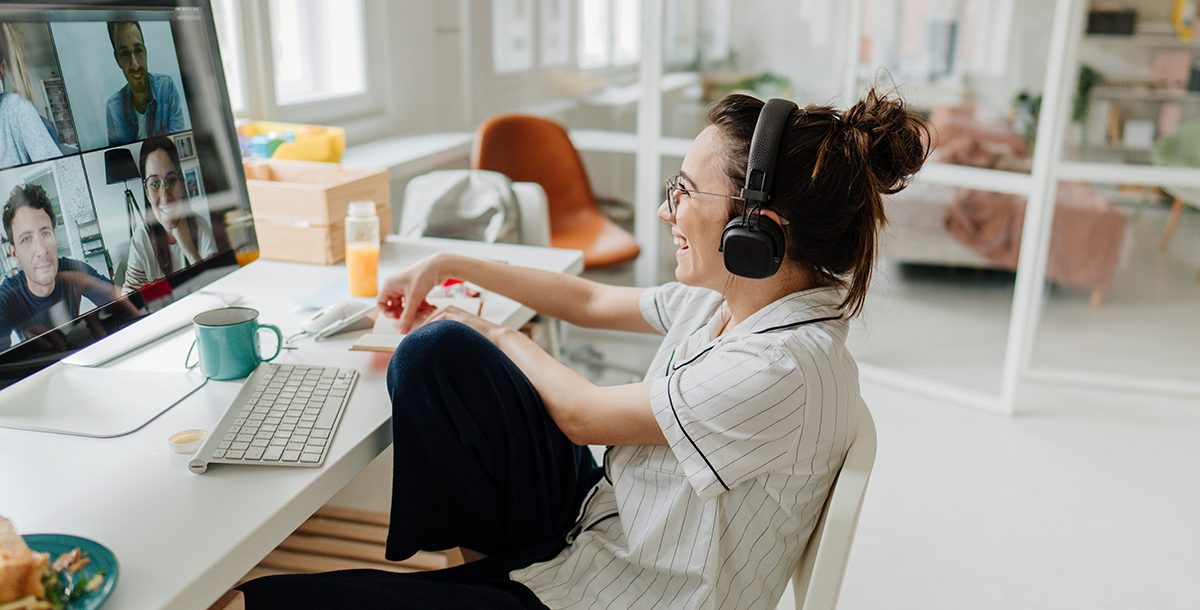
column 95, row 402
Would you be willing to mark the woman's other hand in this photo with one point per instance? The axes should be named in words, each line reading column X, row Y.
column 403, row 295
column 488, row 329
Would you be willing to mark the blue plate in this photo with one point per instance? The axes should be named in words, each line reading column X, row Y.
column 101, row 559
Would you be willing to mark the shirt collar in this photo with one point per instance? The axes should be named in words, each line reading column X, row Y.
column 794, row 308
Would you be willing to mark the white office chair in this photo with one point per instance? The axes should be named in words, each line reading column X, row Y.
column 818, row 578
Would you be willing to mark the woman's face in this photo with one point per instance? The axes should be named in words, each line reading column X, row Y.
column 164, row 189
column 700, row 219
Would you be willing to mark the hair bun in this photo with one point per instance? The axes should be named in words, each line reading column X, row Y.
column 893, row 140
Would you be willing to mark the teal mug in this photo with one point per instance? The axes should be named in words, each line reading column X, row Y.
column 227, row 339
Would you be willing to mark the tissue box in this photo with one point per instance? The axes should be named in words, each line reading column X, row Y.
column 300, row 207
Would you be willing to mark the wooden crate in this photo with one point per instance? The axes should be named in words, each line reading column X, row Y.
column 300, row 207
column 337, row 538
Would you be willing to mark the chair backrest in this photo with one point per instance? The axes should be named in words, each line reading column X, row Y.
column 530, row 148
column 818, row 577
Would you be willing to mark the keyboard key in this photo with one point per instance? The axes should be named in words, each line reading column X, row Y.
column 278, row 442
column 239, row 446
column 218, row 454
column 260, row 442
column 254, row 453
column 310, row 457
column 272, row 454
column 317, row 442
column 329, row 413
column 291, row 456
column 234, row 454
column 320, row 433
column 295, row 446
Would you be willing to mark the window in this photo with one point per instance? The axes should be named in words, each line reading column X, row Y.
column 609, row 33
column 319, row 50
column 593, row 34
column 229, row 36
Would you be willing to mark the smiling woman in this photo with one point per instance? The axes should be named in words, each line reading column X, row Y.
column 719, row 462
column 173, row 236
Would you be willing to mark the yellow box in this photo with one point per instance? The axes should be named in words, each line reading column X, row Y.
column 312, row 143
column 300, row 207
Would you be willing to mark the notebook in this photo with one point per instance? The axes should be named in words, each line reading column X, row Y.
column 386, row 336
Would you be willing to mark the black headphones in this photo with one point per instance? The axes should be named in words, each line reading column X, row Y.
column 753, row 244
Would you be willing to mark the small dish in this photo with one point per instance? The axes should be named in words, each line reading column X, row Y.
column 102, row 559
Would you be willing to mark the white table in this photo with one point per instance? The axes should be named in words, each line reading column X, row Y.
column 183, row 539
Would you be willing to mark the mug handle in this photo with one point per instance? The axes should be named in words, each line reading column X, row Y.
column 187, row 363
column 278, row 340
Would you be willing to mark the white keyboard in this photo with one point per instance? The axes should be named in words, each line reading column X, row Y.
column 285, row 415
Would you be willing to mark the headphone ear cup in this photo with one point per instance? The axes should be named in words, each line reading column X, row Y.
column 753, row 248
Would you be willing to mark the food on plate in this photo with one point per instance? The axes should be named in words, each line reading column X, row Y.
column 21, row 569
column 29, row 581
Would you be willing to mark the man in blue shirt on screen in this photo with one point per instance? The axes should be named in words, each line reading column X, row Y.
column 148, row 104
column 47, row 291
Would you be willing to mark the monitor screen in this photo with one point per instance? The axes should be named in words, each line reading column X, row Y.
column 120, row 178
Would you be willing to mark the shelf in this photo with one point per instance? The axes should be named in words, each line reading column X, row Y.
column 1151, row 41
column 1149, row 95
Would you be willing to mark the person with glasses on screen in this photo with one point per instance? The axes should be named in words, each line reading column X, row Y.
column 173, row 236
column 149, row 104
column 47, row 292
column 718, row 463
column 24, row 135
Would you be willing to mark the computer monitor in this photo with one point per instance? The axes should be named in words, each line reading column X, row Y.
column 120, row 175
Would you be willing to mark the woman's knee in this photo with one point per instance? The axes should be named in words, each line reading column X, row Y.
column 433, row 349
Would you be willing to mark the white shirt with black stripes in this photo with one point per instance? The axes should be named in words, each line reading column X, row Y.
column 758, row 422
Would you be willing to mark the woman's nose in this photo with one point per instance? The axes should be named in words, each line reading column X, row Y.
column 664, row 212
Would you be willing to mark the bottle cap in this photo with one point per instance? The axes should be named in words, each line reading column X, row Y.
column 187, row 441
column 361, row 209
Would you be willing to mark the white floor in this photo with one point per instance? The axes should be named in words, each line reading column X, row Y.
column 1088, row 499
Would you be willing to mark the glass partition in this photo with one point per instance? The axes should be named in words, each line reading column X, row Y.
column 975, row 67
column 941, row 299
column 767, row 48
column 573, row 60
column 1125, row 286
column 1137, row 101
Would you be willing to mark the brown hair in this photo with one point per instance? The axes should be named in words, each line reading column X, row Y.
column 831, row 171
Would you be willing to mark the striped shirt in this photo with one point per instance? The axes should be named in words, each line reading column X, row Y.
column 758, row 422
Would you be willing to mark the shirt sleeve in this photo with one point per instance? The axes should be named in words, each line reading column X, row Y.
column 208, row 243
column 176, row 108
column 136, row 274
column 732, row 416
column 97, row 288
column 660, row 305
column 35, row 136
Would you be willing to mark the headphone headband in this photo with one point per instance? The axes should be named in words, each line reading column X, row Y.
column 764, row 147
column 754, row 244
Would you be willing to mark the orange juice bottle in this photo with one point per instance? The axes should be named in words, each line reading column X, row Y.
column 362, row 248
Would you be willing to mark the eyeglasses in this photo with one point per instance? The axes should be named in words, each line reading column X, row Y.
column 676, row 191
column 154, row 183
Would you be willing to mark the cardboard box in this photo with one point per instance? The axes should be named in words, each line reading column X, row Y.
column 300, row 207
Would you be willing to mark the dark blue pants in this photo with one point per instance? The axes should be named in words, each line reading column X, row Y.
column 478, row 464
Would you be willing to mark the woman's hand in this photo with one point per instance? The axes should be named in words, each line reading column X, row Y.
column 403, row 295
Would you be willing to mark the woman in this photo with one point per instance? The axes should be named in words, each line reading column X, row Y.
column 24, row 137
column 173, row 236
column 718, row 463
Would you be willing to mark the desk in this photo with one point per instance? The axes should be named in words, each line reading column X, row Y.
column 183, row 539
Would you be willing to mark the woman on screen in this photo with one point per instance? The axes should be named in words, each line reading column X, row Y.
column 24, row 137
column 173, row 237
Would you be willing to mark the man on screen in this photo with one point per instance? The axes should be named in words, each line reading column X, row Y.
column 149, row 104
column 47, row 291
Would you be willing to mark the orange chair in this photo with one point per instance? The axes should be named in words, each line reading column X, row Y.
column 534, row 149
